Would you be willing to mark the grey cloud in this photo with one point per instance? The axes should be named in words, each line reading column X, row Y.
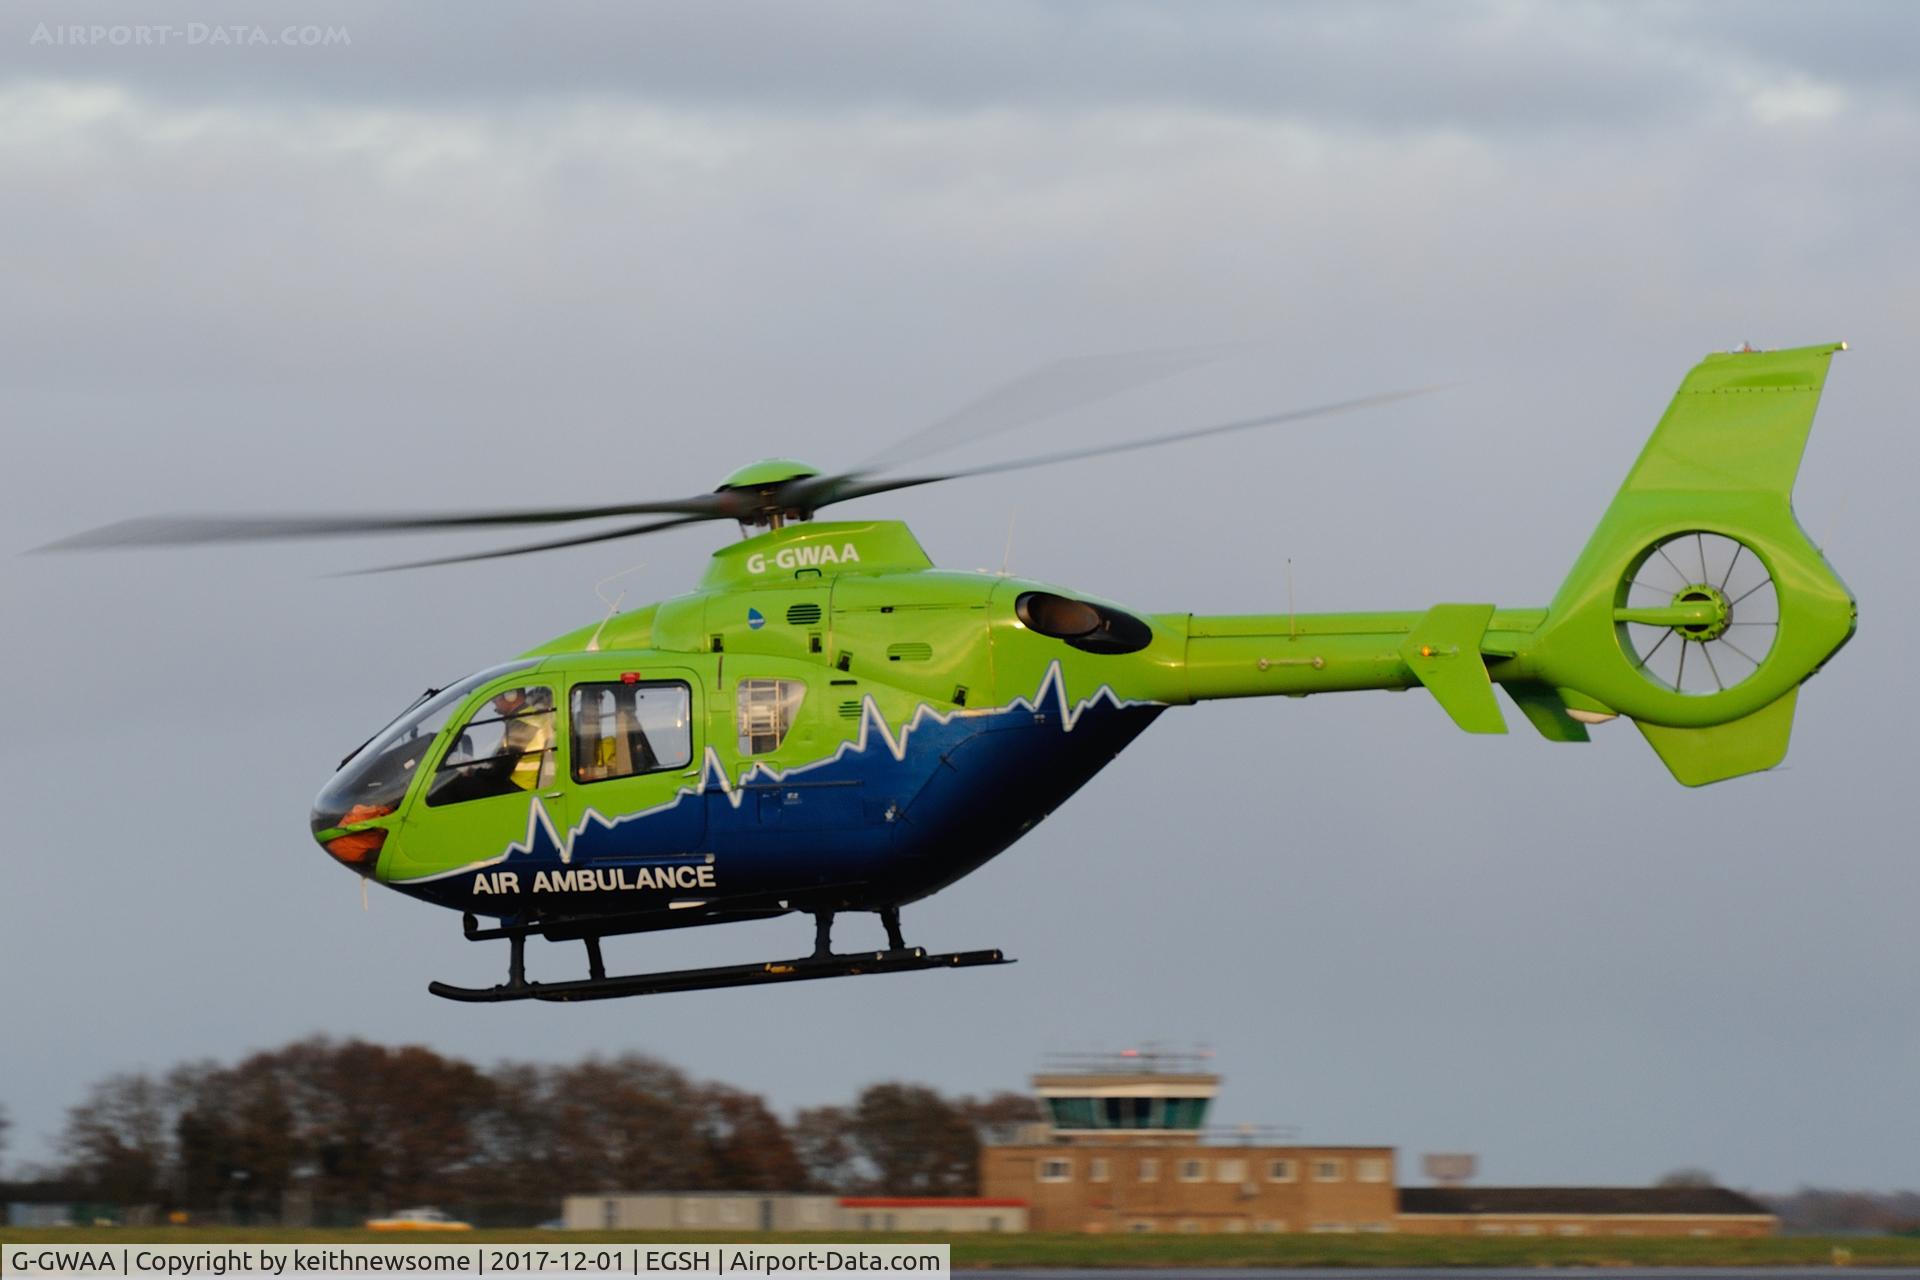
column 1493, row 66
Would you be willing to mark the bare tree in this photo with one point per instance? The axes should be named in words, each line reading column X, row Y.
column 747, row 1147
column 117, row 1142
column 1687, row 1176
column 917, row 1142
column 998, row 1118
column 823, row 1143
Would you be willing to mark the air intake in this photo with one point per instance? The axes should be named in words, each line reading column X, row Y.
column 802, row 615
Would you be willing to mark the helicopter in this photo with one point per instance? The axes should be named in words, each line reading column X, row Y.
column 828, row 723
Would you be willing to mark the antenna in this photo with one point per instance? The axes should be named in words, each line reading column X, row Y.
column 1291, row 632
column 1006, row 559
column 613, row 605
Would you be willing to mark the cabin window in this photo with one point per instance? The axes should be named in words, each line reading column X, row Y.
column 504, row 749
column 620, row 730
column 374, row 779
column 767, row 711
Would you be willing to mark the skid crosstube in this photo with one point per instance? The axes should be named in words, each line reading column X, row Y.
column 735, row 975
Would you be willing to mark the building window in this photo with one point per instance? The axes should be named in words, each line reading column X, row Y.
column 1279, row 1171
column 1271, row 1226
column 1229, row 1170
column 1571, row 1229
column 1139, row 1226
column 1130, row 1113
column 1370, row 1170
column 1056, row 1171
column 1193, row 1171
column 1234, row 1226
column 1376, row 1228
column 1149, row 1170
column 1329, row 1170
column 1097, row 1169
column 1491, row 1228
column 1330, row 1229
column 1528, row 1228
column 1189, row 1227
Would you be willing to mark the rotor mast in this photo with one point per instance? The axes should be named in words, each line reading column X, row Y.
column 765, row 490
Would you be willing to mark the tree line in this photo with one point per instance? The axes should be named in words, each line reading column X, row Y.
column 343, row 1129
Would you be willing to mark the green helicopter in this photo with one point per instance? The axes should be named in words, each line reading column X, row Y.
column 830, row 724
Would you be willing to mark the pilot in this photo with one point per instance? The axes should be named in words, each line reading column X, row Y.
column 526, row 732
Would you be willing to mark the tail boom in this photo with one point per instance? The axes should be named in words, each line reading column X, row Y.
column 1720, row 465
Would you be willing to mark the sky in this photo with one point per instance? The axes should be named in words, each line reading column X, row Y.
column 580, row 253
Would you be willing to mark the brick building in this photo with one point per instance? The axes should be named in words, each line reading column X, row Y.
column 1125, row 1148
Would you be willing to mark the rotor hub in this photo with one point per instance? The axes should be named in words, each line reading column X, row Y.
column 766, row 489
column 1701, row 593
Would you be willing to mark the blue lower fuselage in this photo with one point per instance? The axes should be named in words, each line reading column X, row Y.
column 885, row 820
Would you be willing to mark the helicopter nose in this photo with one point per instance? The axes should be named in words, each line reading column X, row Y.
column 349, row 843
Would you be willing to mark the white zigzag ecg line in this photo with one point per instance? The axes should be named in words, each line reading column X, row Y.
column 714, row 773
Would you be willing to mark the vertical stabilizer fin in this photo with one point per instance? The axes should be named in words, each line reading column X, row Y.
column 1721, row 751
column 1546, row 712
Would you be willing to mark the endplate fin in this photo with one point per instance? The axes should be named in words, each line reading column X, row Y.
column 1443, row 652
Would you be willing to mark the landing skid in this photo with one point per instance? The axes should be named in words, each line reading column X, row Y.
column 902, row 960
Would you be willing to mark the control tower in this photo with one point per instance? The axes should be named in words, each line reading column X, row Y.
column 1132, row 1096
column 1125, row 1147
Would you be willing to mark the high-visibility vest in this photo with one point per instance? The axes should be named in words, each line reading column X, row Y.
column 537, row 730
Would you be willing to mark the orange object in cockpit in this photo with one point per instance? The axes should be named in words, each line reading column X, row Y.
column 359, row 846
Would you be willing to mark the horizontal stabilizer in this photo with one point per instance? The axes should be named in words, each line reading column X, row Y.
column 1721, row 751
column 1443, row 651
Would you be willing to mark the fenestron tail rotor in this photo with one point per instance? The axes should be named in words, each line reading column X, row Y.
column 1698, row 613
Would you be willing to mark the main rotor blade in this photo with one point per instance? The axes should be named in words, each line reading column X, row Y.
column 1043, row 392
column 820, row 491
column 190, row 530
column 628, row 531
